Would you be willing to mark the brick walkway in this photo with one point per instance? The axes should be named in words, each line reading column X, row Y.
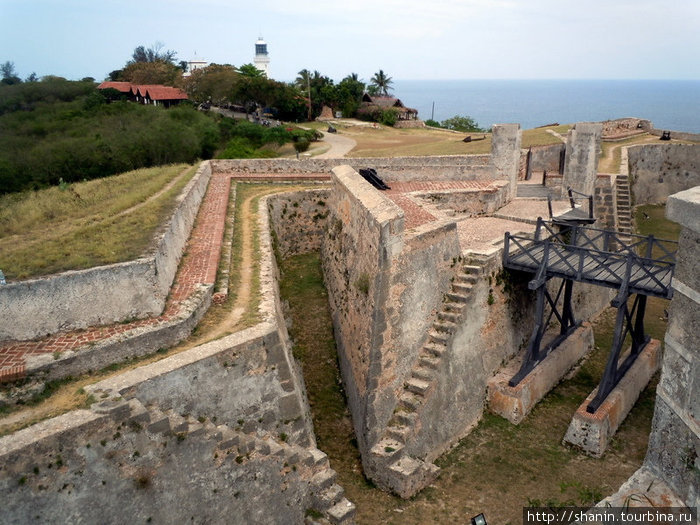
column 198, row 266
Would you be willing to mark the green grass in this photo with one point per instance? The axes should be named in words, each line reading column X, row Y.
column 78, row 226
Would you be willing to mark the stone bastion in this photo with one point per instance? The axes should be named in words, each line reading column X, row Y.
column 223, row 432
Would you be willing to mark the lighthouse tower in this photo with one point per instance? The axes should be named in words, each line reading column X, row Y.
column 262, row 60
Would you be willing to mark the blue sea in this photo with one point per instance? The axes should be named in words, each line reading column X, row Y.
column 669, row 104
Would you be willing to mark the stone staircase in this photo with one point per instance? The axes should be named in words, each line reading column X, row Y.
column 624, row 207
column 327, row 497
column 390, row 466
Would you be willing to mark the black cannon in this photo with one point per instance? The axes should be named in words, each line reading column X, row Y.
column 370, row 175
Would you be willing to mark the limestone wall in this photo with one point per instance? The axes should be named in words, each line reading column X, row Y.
column 105, row 294
column 505, row 154
column 677, row 135
column 365, row 233
column 420, row 275
column 136, row 465
column 444, row 167
column 582, row 152
column 298, row 220
column 659, row 170
column 546, row 158
column 495, row 325
column 219, row 433
column 674, row 443
column 605, row 202
column 469, row 201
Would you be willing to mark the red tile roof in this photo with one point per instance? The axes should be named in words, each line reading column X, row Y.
column 165, row 93
column 124, row 87
column 152, row 91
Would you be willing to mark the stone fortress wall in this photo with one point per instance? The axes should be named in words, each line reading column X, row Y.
column 674, row 443
column 233, row 413
column 77, row 299
column 659, row 170
column 221, row 432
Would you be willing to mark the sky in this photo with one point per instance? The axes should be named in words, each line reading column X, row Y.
column 407, row 39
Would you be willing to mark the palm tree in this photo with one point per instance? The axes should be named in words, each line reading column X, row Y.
column 381, row 82
column 303, row 78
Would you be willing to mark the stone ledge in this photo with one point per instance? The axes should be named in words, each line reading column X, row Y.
column 592, row 432
column 514, row 403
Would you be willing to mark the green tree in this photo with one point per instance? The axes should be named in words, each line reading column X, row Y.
column 9, row 75
column 152, row 73
column 381, row 82
column 461, row 123
column 211, row 84
column 249, row 70
column 350, row 91
column 153, row 54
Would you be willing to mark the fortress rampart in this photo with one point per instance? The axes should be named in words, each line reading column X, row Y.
column 222, row 431
column 77, row 299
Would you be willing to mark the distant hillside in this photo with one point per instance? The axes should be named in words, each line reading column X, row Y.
column 60, row 130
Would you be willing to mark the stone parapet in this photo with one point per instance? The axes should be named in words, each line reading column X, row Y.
column 444, row 167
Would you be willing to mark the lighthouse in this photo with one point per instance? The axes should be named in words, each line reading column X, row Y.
column 262, row 59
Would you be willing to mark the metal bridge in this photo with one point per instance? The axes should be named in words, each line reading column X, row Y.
column 633, row 265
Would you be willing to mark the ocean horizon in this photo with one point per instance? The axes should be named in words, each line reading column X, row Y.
column 669, row 104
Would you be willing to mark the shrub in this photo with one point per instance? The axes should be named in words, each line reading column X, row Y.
column 301, row 145
column 388, row 117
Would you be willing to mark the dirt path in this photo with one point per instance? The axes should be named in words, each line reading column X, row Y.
column 244, row 217
column 339, row 146
column 610, row 161
column 155, row 195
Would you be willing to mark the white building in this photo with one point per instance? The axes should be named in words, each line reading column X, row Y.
column 262, row 59
column 194, row 64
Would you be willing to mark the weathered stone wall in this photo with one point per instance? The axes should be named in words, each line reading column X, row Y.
column 420, row 276
column 546, row 158
column 469, row 201
column 674, row 443
column 105, row 294
column 496, row 323
column 605, row 202
column 298, row 220
column 622, row 128
column 365, row 234
column 146, row 466
column 677, row 135
column 582, row 152
column 445, row 167
column 659, row 170
column 505, row 154
column 219, row 433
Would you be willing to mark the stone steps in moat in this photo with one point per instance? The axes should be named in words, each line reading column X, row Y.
column 391, row 467
column 312, row 465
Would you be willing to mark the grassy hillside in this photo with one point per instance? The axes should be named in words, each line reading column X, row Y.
column 75, row 226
